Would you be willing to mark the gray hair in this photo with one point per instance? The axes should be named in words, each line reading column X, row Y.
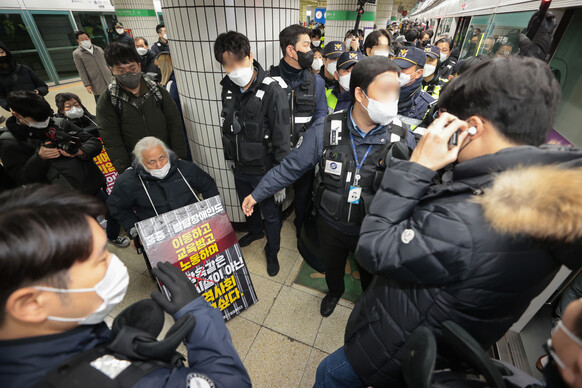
column 147, row 143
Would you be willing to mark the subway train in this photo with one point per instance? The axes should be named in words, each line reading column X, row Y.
column 492, row 27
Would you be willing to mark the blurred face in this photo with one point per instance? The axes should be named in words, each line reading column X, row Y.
column 381, row 47
column 425, row 37
column 317, row 55
column 83, row 37
column 445, row 49
column 162, row 32
column 566, row 349
column 2, row 53
column 70, row 104
column 488, row 45
column 341, row 72
column 504, row 51
column 140, row 44
column 431, row 61
column 232, row 62
column 126, row 68
column 413, row 73
column 475, row 39
column 385, row 88
column 154, row 158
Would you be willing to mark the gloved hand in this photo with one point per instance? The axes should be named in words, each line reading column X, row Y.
column 182, row 290
column 279, row 196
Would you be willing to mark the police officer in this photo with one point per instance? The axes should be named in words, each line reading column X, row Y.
column 306, row 93
column 255, row 134
column 414, row 103
column 331, row 53
column 339, row 98
column 446, row 61
column 432, row 83
column 351, row 148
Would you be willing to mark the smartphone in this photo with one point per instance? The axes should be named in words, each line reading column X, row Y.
column 454, row 140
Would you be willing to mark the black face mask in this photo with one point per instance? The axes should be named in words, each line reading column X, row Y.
column 304, row 59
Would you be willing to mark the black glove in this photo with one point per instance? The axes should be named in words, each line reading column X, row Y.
column 182, row 290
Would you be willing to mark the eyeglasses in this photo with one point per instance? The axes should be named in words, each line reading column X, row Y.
column 549, row 348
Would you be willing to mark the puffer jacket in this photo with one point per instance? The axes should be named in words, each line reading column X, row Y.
column 129, row 202
column 449, row 252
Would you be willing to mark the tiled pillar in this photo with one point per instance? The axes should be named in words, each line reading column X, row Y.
column 194, row 28
column 139, row 16
column 383, row 12
column 341, row 17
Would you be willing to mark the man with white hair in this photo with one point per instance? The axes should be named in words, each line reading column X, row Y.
column 157, row 183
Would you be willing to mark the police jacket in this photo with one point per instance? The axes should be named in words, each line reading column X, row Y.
column 125, row 39
column 306, row 95
column 160, row 46
column 129, row 201
column 148, row 64
column 255, row 123
column 24, row 362
column 19, row 148
column 313, row 149
column 414, row 104
column 434, row 86
column 446, row 68
column 338, row 100
column 329, row 83
column 449, row 252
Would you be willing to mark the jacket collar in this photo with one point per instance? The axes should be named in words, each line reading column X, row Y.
column 261, row 74
column 118, row 93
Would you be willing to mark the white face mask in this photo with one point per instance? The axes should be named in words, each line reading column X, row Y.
column 165, row 36
column 119, row 31
column 344, row 81
column 39, row 124
column 86, row 44
column 382, row 53
column 331, row 67
column 443, row 57
column 381, row 112
column 75, row 113
column 405, row 78
column 111, row 289
column 317, row 63
column 241, row 76
column 348, row 43
column 428, row 70
column 160, row 173
column 316, row 43
column 142, row 50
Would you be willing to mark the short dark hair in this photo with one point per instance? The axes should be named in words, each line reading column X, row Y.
column 366, row 70
column 79, row 33
column 29, row 104
column 316, row 50
column 315, row 33
column 351, row 32
column 159, row 27
column 119, row 53
column 430, row 33
column 145, row 41
column 446, row 40
column 467, row 63
column 290, row 36
column 61, row 98
column 501, row 91
column 372, row 40
column 43, row 231
column 232, row 42
column 411, row 34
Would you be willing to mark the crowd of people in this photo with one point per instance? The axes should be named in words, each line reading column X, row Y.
column 434, row 171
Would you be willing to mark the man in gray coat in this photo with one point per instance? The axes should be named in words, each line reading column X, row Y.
column 91, row 65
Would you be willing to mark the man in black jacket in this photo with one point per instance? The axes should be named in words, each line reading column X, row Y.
column 148, row 58
column 157, row 183
column 36, row 150
column 447, row 252
column 121, row 36
column 255, row 135
column 14, row 76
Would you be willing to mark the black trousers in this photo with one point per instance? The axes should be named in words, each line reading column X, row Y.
column 303, row 196
column 271, row 212
column 335, row 247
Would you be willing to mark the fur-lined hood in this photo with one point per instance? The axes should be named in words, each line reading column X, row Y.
column 540, row 201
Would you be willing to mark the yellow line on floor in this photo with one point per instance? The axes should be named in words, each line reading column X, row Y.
column 66, row 86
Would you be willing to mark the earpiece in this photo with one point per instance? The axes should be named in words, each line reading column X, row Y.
column 472, row 131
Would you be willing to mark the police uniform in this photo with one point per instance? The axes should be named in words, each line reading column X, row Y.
column 414, row 104
column 434, row 86
column 332, row 50
column 446, row 68
column 255, row 135
column 306, row 96
column 351, row 165
column 337, row 98
column 160, row 46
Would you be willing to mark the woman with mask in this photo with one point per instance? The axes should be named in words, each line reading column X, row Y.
column 317, row 60
column 71, row 109
column 377, row 43
column 14, row 76
column 157, row 183
column 432, row 83
column 350, row 148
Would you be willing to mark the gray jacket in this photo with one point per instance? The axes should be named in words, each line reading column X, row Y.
column 92, row 68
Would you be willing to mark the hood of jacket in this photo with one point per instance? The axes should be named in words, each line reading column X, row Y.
column 11, row 60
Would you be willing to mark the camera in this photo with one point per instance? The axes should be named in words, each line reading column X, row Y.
column 63, row 141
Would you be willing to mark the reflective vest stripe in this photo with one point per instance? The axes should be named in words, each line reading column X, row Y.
column 302, row 120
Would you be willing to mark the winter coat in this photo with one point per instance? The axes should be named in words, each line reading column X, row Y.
column 449, row 252
column 92, row 69
column 19, row 153
column 18, row 77
column 167, row 194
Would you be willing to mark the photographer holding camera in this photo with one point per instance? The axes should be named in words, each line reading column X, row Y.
column 35, row 150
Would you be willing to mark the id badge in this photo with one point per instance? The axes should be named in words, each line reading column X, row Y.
column 354, row 195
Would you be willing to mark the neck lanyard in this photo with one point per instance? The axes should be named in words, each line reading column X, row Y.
column 358, row 165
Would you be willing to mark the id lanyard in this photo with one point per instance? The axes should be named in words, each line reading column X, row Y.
column 358, row 165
